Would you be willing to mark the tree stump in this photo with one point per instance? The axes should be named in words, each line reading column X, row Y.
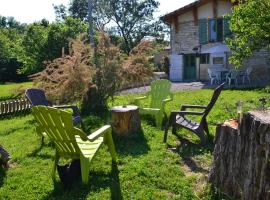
column 125, row 120
column 4, row 157
column 241, row 166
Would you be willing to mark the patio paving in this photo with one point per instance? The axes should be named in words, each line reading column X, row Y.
column 175, row 87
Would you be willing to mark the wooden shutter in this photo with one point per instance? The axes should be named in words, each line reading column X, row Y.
column 226, row 27
column 219, row 30
column 203, row 31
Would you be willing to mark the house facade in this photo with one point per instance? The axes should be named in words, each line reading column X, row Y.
column 198, row 33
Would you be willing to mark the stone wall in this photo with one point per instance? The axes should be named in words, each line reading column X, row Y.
column 261, row 66
column 186, row 38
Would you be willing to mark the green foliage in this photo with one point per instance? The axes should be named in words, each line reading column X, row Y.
column 9, row 48
column 146, row 168
column 132, row 20
column 250, row 24
column 24, row 48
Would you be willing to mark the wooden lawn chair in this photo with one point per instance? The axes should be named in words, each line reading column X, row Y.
column 179, row 119
column 160, row 95
column 71, row 142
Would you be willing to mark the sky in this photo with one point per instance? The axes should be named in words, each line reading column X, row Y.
column 28, row 11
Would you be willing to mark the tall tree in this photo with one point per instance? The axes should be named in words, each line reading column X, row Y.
column 250, row 23
column 133, row 19
column 90, row 19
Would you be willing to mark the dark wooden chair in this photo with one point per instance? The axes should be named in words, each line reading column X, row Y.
column 37, row 98
column 179, row 119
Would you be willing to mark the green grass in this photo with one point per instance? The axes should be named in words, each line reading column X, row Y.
column 146, row 167
column 8, row 91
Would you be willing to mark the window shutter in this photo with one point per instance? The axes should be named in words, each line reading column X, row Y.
column 226, row 27
column 220, row 30
column 203, row 31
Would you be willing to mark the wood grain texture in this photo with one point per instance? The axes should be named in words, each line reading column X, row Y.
column 241, row 166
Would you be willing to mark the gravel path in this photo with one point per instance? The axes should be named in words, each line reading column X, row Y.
column 175, row 87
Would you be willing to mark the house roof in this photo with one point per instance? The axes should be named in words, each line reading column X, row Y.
column 169, row 17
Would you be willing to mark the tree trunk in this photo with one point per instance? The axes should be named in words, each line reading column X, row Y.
column 126, row 120
column 90, row 19
column 241, row 166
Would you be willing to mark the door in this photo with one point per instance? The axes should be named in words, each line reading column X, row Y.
column 190, row 67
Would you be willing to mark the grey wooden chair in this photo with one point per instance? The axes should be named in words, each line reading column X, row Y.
column 37, row 98
column 179, row 119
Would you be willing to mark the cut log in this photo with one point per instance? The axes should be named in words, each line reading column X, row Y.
column 125, row 120
column 241, row 166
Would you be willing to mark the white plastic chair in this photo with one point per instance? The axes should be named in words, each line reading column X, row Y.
column 246, row 75
column 213, row 76
column 232, row 75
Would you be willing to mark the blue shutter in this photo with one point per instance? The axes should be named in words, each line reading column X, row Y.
column 203, row 31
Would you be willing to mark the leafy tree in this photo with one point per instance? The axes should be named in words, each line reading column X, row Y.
column 133, row 19
column 60, row 12
column 9, row 47
column 33, row 53
column 250, row 23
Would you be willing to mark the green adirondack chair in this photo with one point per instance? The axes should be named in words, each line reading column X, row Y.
column 160, row 94
column 71, row 142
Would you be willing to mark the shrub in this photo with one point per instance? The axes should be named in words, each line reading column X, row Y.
column 67, row 77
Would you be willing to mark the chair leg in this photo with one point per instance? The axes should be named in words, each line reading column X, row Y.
column 85, row 168
column 56, row 160
column 201, row 135
column 167, row 127
column 159, row 118
column 109, row 142
column 166, row 131
column 205, row 128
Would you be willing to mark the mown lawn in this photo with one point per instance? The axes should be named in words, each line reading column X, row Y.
column 8, row 91
column 146, row 167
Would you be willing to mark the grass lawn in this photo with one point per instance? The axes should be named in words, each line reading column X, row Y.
column 146, row 167
column 7, row 90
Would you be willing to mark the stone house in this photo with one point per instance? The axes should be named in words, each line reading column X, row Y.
column 198, row 33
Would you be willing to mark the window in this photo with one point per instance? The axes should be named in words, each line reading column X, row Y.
column 204, row 58
column 218, row 61
column 214, row 30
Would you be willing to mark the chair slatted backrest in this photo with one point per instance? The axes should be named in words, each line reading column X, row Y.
column 36, row 97
column 57, row 124
column 213, row 99
column 160, row 90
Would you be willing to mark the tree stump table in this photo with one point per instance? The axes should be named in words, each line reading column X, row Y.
column 241, row 166
column 125, row 120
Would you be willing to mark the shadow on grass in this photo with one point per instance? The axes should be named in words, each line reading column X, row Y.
column 97, row 181
column 134, row 145
column 187, row 149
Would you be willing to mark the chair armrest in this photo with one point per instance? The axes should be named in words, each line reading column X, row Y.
column 182, row 113
column 73, row 107
column 99, row 133
column 184, row 107
column 138, row 99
